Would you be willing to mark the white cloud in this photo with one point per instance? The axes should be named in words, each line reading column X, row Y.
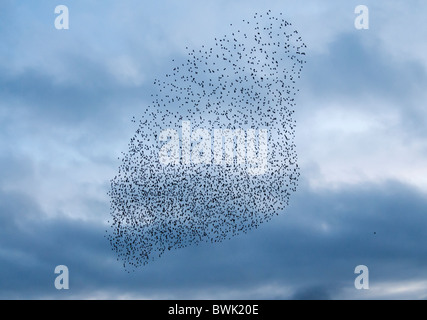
column 126, row 70
column 220, row 293
column 401, row 28
column 347, row 144
column 390, row 290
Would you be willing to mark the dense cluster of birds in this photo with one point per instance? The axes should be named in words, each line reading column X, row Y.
column 246, row 80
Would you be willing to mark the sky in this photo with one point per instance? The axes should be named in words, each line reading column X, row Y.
column 67, row 98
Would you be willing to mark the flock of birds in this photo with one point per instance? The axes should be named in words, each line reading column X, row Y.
column 244, row 80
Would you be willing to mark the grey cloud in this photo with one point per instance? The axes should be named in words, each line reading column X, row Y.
column 292, row 251
column 313, row 293
column 356, row 66
column 67, row 102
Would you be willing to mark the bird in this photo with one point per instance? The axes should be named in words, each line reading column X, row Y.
column 246, row 80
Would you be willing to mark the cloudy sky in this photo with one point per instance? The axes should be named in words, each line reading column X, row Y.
column 67, row 98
